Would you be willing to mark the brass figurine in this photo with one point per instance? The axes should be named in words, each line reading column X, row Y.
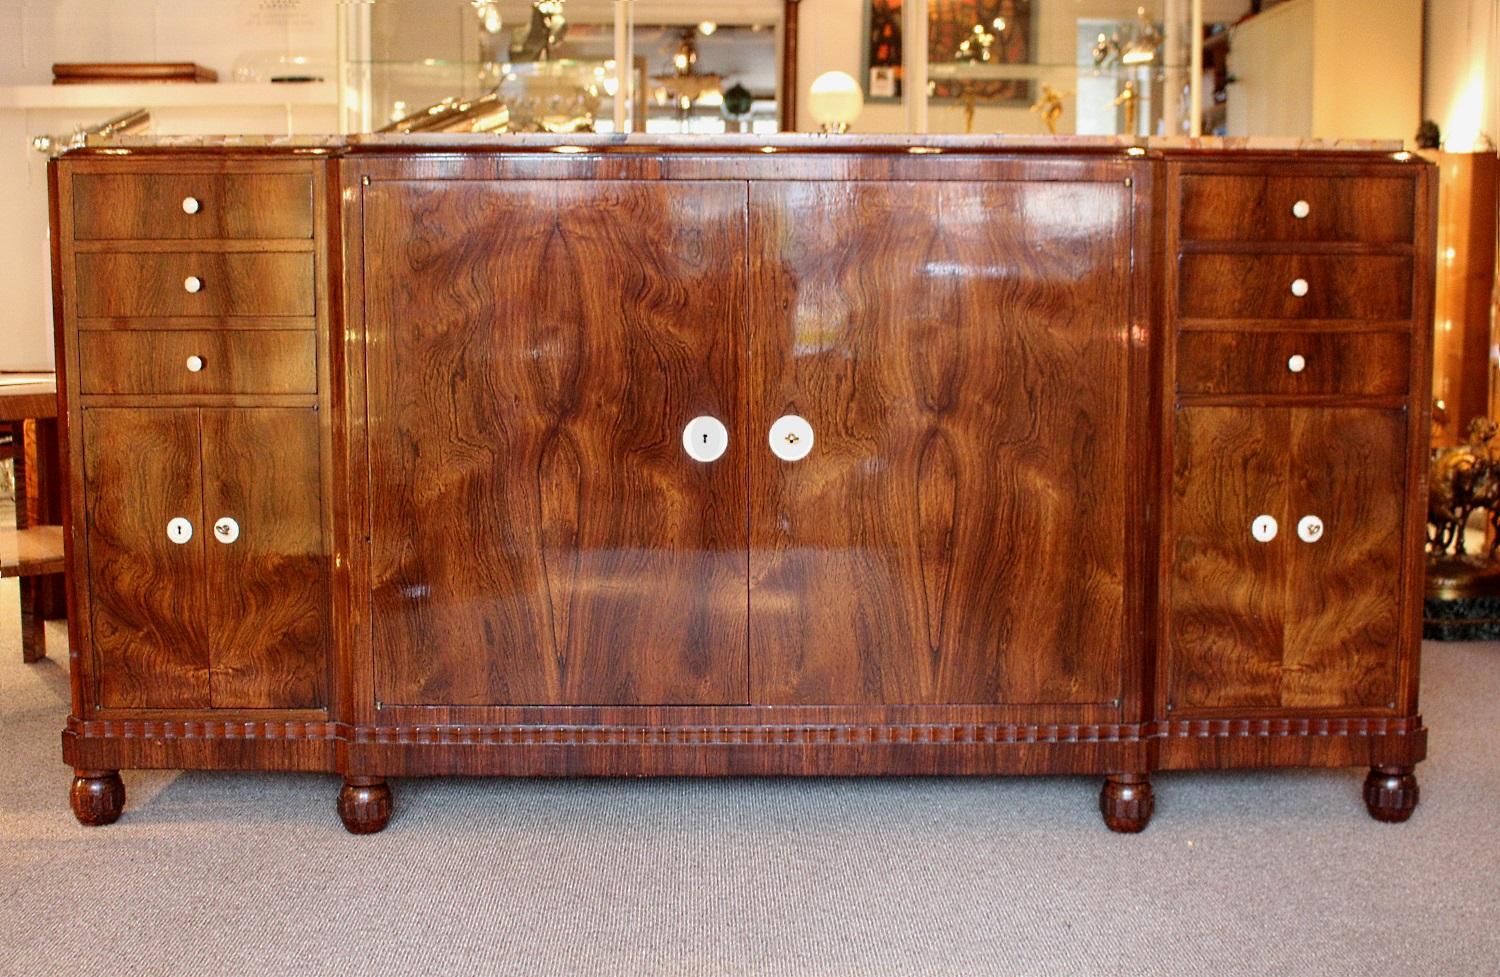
column 1130, row 99
column 1050, row 107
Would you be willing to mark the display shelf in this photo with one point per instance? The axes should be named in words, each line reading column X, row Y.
column 155, row 95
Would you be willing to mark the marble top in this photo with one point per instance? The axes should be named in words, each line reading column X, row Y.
column 792, row 142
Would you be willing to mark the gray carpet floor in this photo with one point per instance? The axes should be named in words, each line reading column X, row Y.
column 1281, row 873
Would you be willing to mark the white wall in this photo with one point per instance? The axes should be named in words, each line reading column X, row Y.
column 1463, row 70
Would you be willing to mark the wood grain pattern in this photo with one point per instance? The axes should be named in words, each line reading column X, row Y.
column 1258, row 207
column 146, row 206
column 957, row 534
column 150, row 643
column 129, row 283
column 1258, row 286
column 538, row 533
column 1226, row 590
column 1343, row 599
column 268, row 589
column 1257, row 363
column 235, row 361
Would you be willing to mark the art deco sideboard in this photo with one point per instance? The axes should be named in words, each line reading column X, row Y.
column 408, row 456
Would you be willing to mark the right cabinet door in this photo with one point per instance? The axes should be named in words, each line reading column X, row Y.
column 959, row 353
column 1286, row 571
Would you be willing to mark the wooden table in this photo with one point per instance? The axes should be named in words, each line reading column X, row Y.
column 33, row 551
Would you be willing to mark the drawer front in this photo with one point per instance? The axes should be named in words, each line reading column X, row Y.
column 1378, row 210
column 228, row 361
column 129, row 284
column 1293, row 363
column 155, row 206
column 1295, row 286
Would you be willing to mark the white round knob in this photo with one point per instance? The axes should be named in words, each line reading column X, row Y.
column 1310, row 528
column 194, row 364
column 1299, row 287
column 179, row 530
column 226, row 530
column 1264, row 528
column 705, row 439
column 1301, row 209
column 791, row 438
column 193, row 284
column 190, row 205
column 1296, row 363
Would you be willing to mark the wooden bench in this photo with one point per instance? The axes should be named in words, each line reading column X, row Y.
column 31, row 554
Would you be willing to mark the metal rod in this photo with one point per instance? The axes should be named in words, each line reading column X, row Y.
column 1195, row 83
column 914, row 64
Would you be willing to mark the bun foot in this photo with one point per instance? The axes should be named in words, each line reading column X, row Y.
column 97, row 796
column 1127, row 801
column 1391, row 793
column 365, row 805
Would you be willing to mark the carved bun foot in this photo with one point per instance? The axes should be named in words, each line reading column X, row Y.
column 1391, row 793
column 1127, row 801
column 97, row 796
column 365, row 805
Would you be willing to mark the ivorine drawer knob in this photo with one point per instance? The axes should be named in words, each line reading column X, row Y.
column 1310, row 529
column 1296, row 363
column 791, row 438
column 1264, row 528
column 193, row 284
column 1299, row 287
column 1301, row 209
column 190, row 205
column 179, row 530
column 194, row 364
column 226, row 530
column 705, row 438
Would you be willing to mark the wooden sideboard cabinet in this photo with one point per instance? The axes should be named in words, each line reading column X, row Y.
column 408, row 456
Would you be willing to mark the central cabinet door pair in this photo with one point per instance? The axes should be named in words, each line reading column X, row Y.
column 540, row 535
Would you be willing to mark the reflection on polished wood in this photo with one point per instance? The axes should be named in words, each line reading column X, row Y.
column 957, row 533
column 538, row 533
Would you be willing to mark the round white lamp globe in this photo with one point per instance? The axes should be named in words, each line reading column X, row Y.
column 835, row 101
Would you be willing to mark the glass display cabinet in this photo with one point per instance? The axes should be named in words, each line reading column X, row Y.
column 562, row 66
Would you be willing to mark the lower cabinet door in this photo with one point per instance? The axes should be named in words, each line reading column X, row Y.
column 539, row 532
column 145, row 549
column 266, row 579
column 1286, row 571
column 960, row 355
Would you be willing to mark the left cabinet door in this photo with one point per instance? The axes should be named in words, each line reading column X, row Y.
column 539, row 532
column 144, row 498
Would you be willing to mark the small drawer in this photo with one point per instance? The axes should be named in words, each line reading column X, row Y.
column 1295, row 286
column 157, row 206
column 135, row 284
column 1293, row 363
column 216, row 361
column 1373, row 210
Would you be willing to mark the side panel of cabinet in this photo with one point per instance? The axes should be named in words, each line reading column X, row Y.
column 961, row 350
column 535, row 349
column 267, row 588
column 141, row 470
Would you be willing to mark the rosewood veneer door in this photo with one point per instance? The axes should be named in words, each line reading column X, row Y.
column 957, row 534
column 1286, row 624
column 535, row 349
column 146, row 600
column 266, row 576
